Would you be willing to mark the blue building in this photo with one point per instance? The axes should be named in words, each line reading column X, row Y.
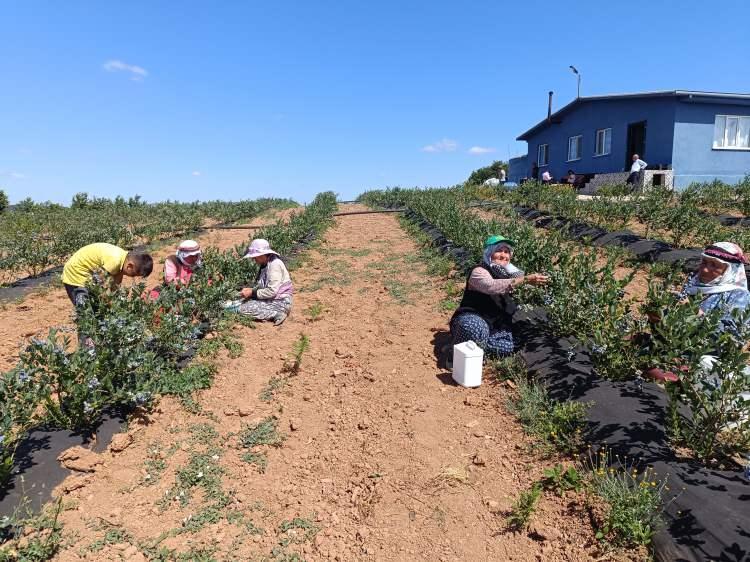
column 684, row 136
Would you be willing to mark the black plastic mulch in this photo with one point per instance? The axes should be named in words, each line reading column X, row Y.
column 24, row 286
column 36, row 470
column 645, row 249
column 709, row 519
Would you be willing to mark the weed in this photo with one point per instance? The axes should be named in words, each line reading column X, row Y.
column 398, row 290
column 510, row 368
column 34, row 537
column 634, row 499
column 556, row 425
column 258, row 459
column 294, row 362
column 447, row 305
column 560, row 480
column 113, row 536
column 154, row 465
column 202, row 433
column 314, row 311
column 298, row 530
column 263, row 433
column 524, row 508
column 275, row 384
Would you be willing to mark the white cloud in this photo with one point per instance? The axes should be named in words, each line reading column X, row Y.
column 445, row 145
column 137, row 73
column 17, row 175
column 481, row 150
column 196, row 172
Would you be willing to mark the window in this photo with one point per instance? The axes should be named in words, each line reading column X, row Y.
column 603, row 142
column 732, row 131
column 575, row 148
column 542, row 156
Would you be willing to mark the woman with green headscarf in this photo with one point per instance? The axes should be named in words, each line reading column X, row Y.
column 481, row 316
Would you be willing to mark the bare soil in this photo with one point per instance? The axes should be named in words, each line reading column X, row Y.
column 382, row 458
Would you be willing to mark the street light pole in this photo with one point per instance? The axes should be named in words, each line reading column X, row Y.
column 578, row 74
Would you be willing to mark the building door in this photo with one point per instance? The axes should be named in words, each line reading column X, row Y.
column 636, row 142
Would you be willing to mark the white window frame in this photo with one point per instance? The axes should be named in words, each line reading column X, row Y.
column 580, row 148
column 542, row 161
column 607, row 131
column 724, row 137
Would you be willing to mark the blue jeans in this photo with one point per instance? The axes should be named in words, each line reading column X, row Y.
column 469, row 326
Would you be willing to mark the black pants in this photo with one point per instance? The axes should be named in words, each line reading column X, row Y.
column 77, row 295
column 633, row 177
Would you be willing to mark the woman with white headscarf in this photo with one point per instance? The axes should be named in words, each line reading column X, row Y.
column 721, row 283
column 481, row 317
column 179, row 267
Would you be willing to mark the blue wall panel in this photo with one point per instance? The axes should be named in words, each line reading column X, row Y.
column 518, row 168
column 694, row 157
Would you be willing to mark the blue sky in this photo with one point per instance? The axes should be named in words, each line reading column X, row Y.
column 239, row 99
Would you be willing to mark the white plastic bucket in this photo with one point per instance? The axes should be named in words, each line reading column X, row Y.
column 467, row 364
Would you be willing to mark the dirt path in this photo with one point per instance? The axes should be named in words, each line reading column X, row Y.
column 382, row 458
column 45, row 308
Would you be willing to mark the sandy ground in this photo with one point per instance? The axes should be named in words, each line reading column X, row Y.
column 382, row 458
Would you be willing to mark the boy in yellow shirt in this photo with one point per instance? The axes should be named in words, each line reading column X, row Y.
column 117, row 262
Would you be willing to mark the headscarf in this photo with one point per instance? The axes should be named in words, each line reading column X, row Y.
column 733, row 277
column 189, row 248
column 508, row 271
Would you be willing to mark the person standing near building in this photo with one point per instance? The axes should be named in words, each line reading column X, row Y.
column 502, row 175
column 635, row 170
column 546, row 177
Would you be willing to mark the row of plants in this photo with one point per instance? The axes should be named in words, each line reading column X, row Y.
column 682, row 218
column 138, row 348
column 623, row 502
column 37, row 236
column 585, row 300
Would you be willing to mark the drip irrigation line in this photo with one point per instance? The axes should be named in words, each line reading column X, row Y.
column 344, row 214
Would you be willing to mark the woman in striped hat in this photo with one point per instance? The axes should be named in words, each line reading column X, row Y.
column 721, row 283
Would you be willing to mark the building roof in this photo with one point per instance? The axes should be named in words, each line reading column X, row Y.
column 684, row 95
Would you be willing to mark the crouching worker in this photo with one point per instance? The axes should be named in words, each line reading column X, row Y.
column 179, row 268
column 271, row 297
column 481, row 316
column 80, row 268
column 720, row 284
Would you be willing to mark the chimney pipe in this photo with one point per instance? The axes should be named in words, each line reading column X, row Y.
column 549, row 108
